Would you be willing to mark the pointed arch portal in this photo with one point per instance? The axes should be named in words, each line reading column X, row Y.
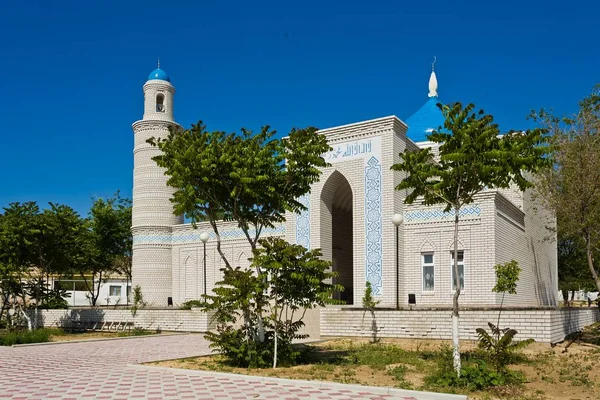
column 337, row 236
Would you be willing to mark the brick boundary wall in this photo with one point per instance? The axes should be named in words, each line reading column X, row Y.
column 543, row 325
column 192, row 320
column 174, row 320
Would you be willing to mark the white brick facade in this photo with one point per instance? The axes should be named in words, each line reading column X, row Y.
column 348, row 217
column 543, row 325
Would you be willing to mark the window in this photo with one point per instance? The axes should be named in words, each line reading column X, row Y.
column 160, row 103
column 461, row 269
column 114, row 291
column 428, row 272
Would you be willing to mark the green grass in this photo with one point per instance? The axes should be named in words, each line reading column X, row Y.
column 135, row 332
column 26, row 337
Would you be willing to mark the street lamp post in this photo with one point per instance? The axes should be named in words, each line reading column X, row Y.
column 397, row 221
column 204, row 239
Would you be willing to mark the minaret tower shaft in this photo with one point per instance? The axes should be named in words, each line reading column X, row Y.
column 152, row 214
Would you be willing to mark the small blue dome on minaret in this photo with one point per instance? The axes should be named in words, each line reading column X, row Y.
column 159, row 74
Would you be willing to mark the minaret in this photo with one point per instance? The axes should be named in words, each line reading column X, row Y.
column 153, row 218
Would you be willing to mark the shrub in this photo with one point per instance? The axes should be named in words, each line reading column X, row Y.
column 188, row 305
column 476, row 374
column 55, row 300
column 24, row 337
column 238, row 351
column 267, row 301
column 500, row 345
column 138, row 301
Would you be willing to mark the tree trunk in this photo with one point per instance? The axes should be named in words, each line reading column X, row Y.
column 455, row 316
column 500, row 312
column 590, row 260
column 275, row 334
column 565, row 294
column 27, row 318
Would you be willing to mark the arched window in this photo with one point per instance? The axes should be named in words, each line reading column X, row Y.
column 160, row 103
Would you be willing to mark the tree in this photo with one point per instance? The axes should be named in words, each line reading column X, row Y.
column 106, row 242
column 57, row 248
column 369, row 304
column 16, row 237
column 472, row 157
column 123, row 260
column 500, row 344
column 252, row 179
column 573, row 272
column 243, row 294
column 36, row 245
column 288, row 267
column 571, row 186
column 507, row 276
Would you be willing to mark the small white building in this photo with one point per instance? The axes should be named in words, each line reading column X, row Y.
column 113, row 292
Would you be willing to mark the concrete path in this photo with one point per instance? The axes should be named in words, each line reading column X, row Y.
column 110, row 369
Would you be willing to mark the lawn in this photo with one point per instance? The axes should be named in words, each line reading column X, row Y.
column 544, row 372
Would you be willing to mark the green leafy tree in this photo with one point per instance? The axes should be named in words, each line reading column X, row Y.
column 571, row 186
column 57, row 249
column 296, row 281
column 243, row 295
column 573, row 272
column 507, row 276
column 369, row 303
column 16, row 253
column 252, row 179
column 473, row 156
column 500, row 344
column 138, row 302
column 106, row 243
column 37, row 244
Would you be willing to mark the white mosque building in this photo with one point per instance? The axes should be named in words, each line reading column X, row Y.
column 348, row 216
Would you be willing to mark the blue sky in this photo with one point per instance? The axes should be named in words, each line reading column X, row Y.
column 73, row 72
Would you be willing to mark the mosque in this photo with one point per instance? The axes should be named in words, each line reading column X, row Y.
column 349, row 216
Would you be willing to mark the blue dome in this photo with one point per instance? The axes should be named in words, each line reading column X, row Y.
column 159, row 74
column 428, row 118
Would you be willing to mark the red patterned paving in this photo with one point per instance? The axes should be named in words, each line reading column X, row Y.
column 109, row 370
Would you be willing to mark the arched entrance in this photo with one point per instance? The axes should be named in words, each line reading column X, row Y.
column 337, row 232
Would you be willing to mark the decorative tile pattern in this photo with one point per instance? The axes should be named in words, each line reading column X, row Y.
column 194, row 236
column 373, row 225
column 432, row 215
column 303, row 223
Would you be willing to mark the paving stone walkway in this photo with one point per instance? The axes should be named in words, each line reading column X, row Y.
column 110, row 370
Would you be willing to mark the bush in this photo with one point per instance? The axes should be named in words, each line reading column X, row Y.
column 25, row 337
column 240, row 352
column 188, row 305
column 135, row 332
column 499, row 346
column 475, row 374
column 55, row 300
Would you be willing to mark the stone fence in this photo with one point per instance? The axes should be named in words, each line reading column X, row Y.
column 193, row 320
column 174, row 320
column 543, row 325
